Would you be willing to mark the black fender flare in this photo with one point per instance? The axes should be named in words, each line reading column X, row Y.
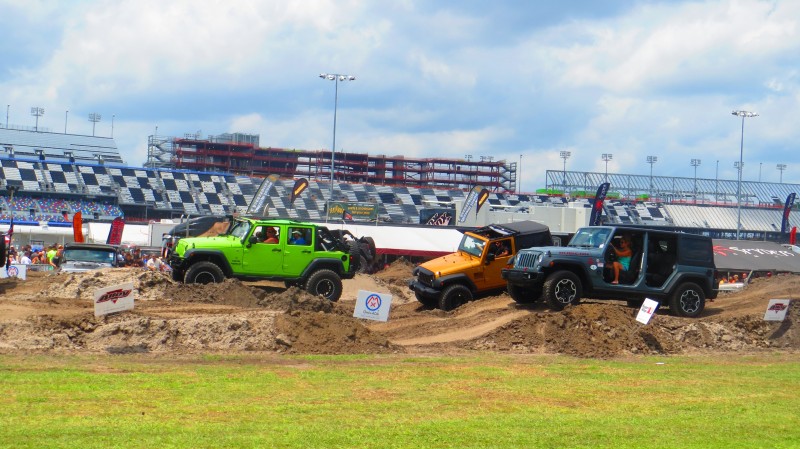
column 211, row 255
column 457, row 278
column 334, row 265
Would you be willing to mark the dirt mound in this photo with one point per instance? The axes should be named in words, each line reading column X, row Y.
column 55, row 313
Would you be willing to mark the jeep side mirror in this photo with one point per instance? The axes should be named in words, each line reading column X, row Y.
column 252, row 240
column 490, row 258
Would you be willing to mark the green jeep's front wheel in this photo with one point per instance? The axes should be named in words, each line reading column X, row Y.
column 325, row 283
column 204, row 273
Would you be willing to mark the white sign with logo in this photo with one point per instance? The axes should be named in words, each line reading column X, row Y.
column 647, row 310
column 373, row 306
column 113, row 299
column 14, row 271
column 776, row 310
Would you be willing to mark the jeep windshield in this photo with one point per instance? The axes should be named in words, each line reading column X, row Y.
column 590, row 238
column 240, row 229
column 471, row 245
column 97, row 255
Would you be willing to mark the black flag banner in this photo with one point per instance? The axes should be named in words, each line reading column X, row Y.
column 597, row 209
column 299, row 186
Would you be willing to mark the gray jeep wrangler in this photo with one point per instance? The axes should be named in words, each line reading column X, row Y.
column 673, row 268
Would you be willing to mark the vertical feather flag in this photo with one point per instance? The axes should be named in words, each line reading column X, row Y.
column 77, row 227
column 787, row 207
column 299, row 186
column 115, row 233
column 597, row 209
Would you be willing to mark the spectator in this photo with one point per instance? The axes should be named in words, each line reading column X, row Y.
column 624, row 255
column 26, row 258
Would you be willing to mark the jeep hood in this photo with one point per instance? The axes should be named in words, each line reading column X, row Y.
column 567, row 250
column 451, row 263
column 223, row 241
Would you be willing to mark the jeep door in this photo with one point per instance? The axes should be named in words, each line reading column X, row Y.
column 299, row 250
column 498, row 254
column 261, row 257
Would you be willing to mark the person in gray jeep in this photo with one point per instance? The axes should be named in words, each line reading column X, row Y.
column 673, row 268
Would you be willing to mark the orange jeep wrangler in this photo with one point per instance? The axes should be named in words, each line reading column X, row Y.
column 451, row 280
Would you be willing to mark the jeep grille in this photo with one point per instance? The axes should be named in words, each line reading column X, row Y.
column 527, row 259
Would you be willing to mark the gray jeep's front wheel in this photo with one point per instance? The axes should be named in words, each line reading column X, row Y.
column 453, row 296
column 524, row 295
column 204, row 273
column 688, row 300
column 325, row 283
column 561, row 289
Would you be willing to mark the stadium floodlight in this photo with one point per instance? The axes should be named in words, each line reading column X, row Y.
column 651, row 160
column 607, row 157
column 743, row 115
column 335, row 77
column 37, row 112
column 781, row 167
column 695, row 163
column 565, row 155
column 94, row 118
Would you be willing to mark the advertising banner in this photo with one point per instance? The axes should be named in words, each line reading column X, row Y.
column 437, row 217
column 482, row 197
column 373, row 306
column 18, row 271
column 114, row 298
column 352, row 211
column 647, row 310
column 260, row 198
column 776, row 310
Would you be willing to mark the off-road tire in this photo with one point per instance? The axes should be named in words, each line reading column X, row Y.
column 177, row 275
column 561, row 289
column 524, row 295
column 453, row 296
column 427, row 301
column 325, row 283
column 204, row 273
column 356, row 258
column 373, row 251
column 635, row 303
column 688, row 300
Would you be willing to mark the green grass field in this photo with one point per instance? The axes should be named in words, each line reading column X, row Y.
column 485, row 400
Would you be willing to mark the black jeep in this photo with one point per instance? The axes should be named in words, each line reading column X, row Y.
column 673, row 268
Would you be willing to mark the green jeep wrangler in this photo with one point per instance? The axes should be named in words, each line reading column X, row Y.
column 674, row 268
column 300, row 254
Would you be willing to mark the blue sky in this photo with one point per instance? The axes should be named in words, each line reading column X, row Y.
column 505, row 79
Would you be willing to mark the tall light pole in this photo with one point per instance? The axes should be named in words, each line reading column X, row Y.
column 8, row 106
column 565, row 155
column 607, row 157
column 94, row 118
column 66, row 116
column 781, row 167
column 519, row 175
column 759, row 171
column 716, row 183
column 695, row 163
column 335, row 77
column 651, row 160
column 37, row 112
column 743, row 115
column 112, row 125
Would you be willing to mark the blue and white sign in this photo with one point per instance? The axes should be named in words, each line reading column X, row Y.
column 373, row 306
column 18, row 271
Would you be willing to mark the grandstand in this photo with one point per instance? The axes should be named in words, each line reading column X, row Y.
column 52, row 189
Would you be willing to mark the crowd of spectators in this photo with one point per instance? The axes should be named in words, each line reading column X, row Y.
column 53, row 209
column 53, row 255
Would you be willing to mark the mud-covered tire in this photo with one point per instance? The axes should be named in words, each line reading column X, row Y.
column 523, row 295
column 561, row 289
column 373, row 251
column 177, row 275
column 688, row 300
column 426, row 301
column 325, row 283
column 204, row 273
column 453, row 296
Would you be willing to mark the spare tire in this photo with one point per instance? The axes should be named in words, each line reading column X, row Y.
column 373, row 251
column 355, row 256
